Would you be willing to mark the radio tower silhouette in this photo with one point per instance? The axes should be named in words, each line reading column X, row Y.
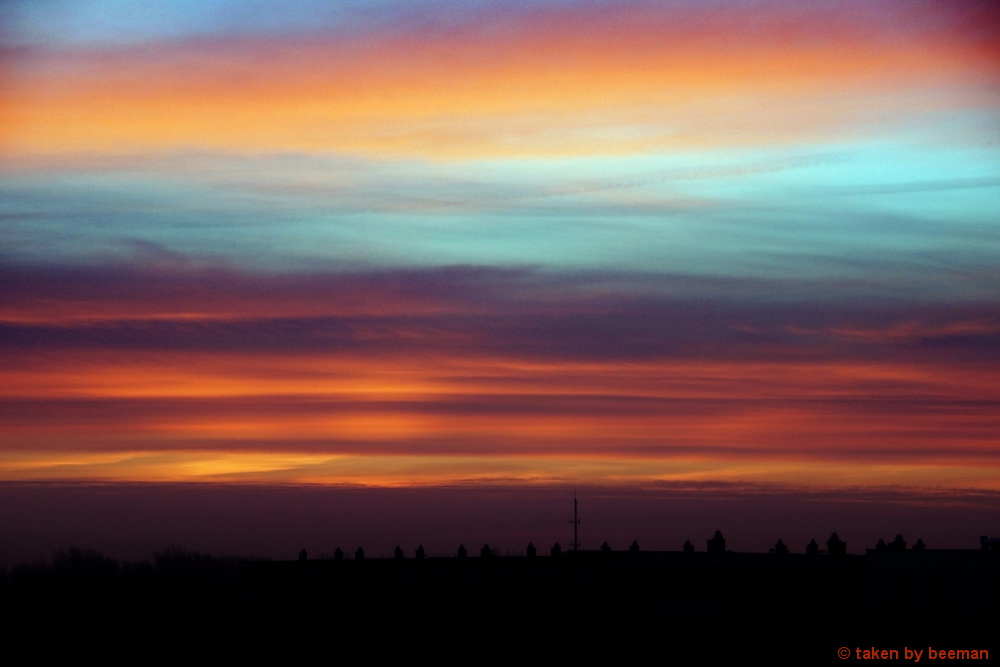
column 576, row 525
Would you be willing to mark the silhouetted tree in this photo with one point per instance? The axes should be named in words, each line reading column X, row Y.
column 177, row 561
column 184, row 569
column 84, row 566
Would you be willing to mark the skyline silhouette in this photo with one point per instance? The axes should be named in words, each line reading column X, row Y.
column 130, row 522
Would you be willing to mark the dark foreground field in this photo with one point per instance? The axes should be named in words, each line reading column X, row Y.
column 668, row 607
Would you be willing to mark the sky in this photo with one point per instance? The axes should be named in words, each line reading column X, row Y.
column 658, row 251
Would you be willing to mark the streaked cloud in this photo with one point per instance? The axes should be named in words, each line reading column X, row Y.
column 426, row 243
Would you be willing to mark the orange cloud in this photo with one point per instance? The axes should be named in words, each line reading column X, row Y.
column 552, row 83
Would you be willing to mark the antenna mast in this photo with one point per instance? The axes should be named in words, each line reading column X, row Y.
column 576, row 526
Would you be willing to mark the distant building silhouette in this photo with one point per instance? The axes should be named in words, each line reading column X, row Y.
column 987, row 543
column 338, row 554
column 303, row 555
column 359, row 554
column 531, row 552
column 634, row 547
column 780, row 547
column 688, row 547
column 812, row 549
column 836, row 546
column 485, row 552
column 420, row 552
column 398, row 553
column 556, row 550
column 605, row 547
column 462, row 552
column 919, row 545
column 898, row 545
column 717, row 545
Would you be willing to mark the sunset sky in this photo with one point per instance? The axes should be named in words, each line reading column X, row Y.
column 643, row 248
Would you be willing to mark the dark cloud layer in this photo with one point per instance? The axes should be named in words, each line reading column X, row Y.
column 479, row 311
